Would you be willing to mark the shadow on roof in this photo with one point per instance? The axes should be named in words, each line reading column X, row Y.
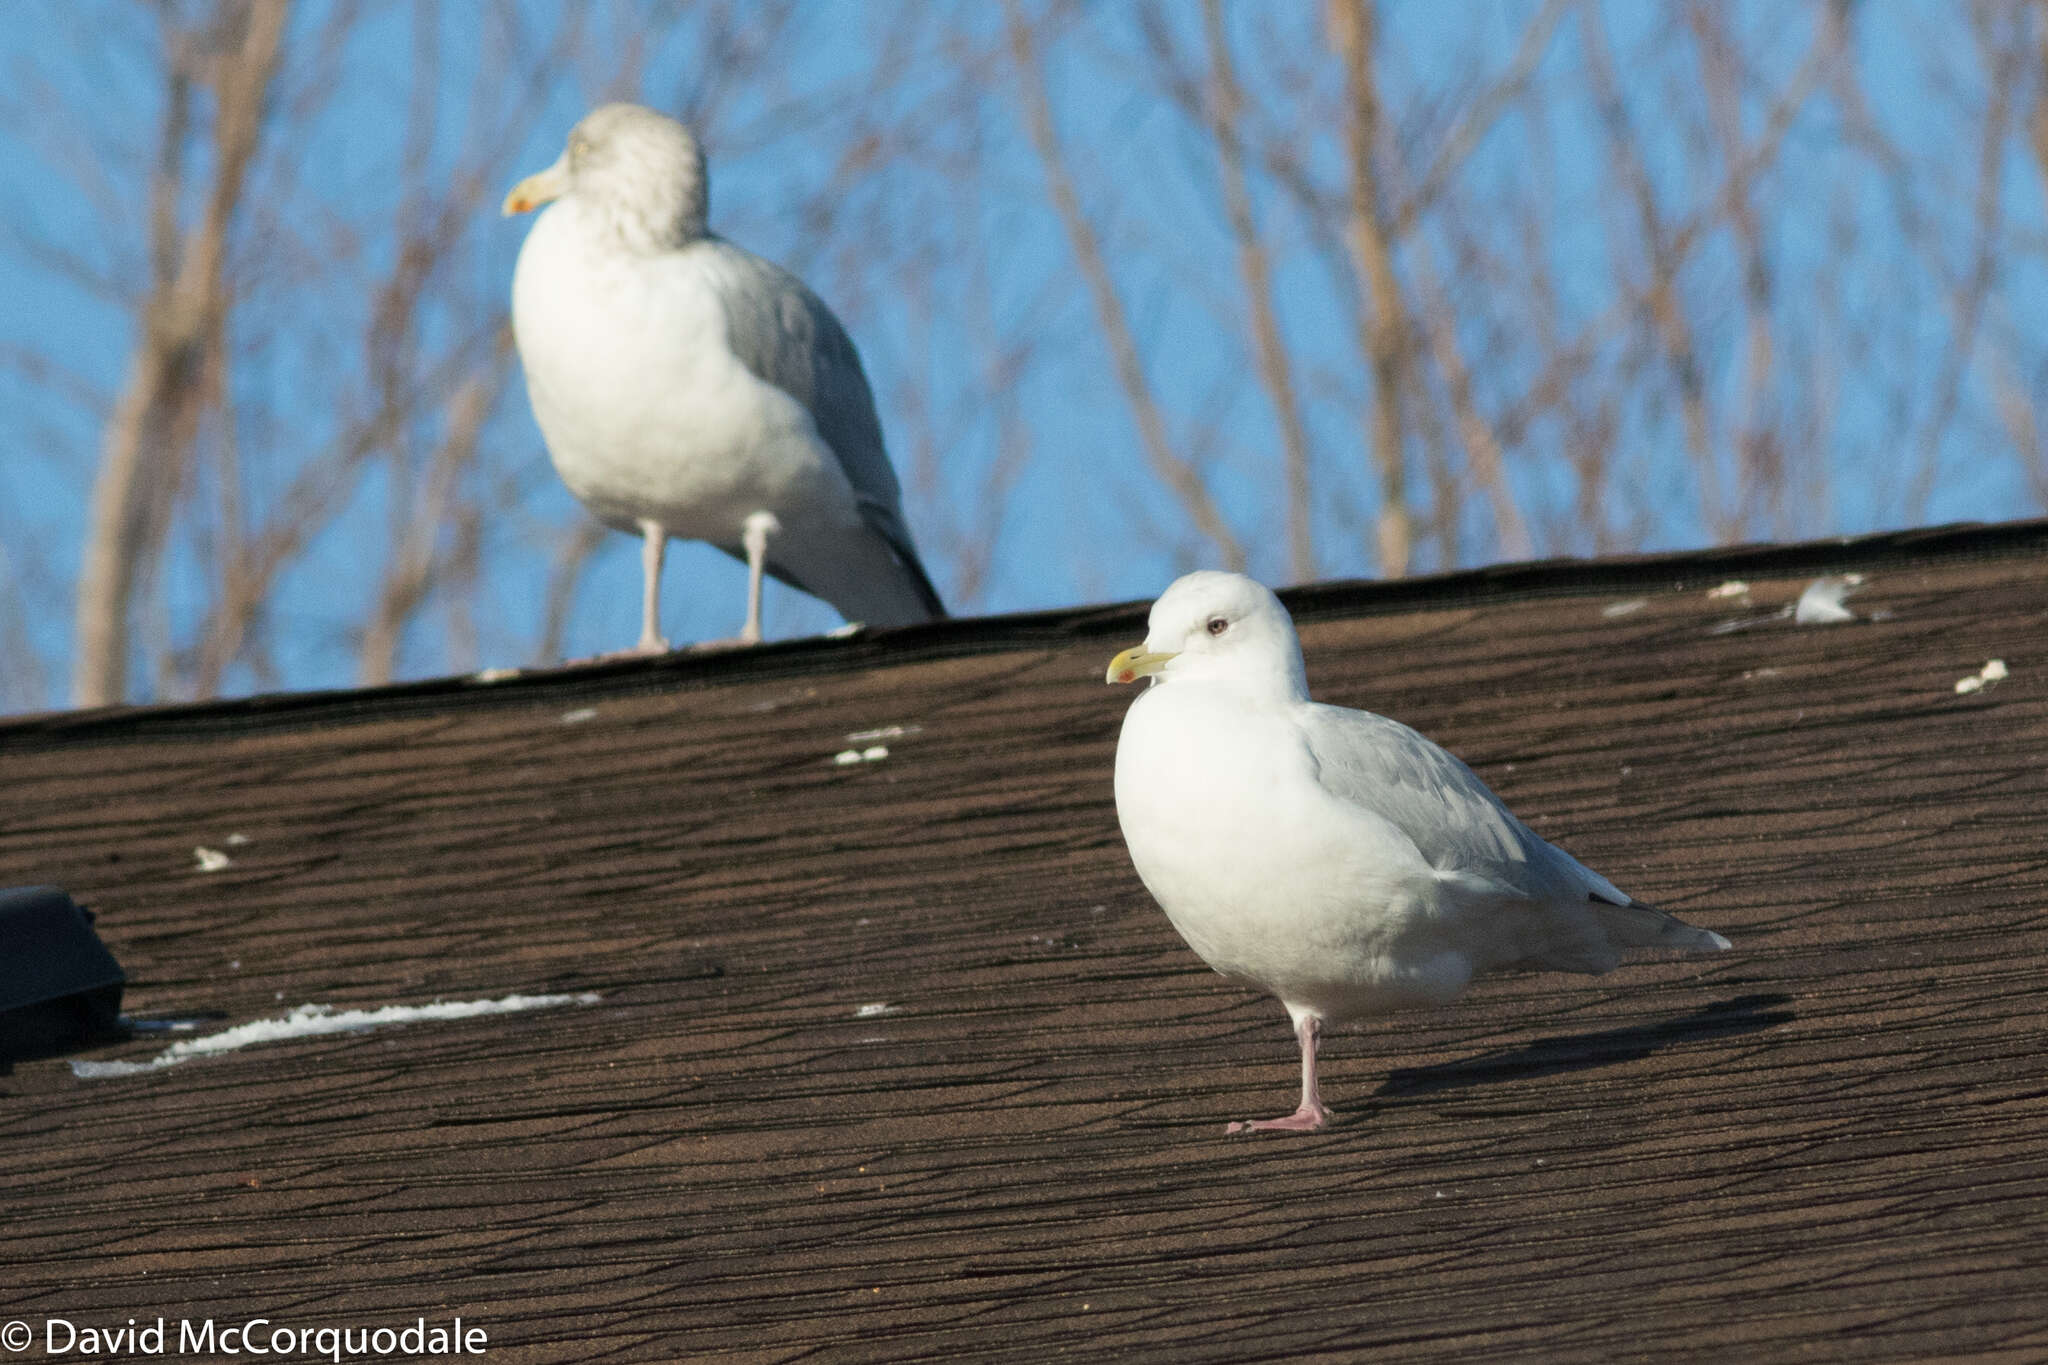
column 1579, row 1051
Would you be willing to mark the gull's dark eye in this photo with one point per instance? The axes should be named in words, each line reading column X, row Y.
column 1217, row 625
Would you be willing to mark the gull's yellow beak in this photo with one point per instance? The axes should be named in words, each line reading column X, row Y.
column 542, row 187
column 1135, row 663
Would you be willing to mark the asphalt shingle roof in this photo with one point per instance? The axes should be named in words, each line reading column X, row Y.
column 1825, row 1144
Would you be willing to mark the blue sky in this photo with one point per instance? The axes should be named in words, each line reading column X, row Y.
column 948, row 258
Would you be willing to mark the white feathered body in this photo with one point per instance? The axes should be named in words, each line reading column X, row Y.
column 1342, row 861
column 712, row 442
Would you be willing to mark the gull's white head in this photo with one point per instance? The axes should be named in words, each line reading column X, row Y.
column 1220, row 627
column 641, row 170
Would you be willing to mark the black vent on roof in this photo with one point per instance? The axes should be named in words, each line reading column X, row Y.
column 59, row 986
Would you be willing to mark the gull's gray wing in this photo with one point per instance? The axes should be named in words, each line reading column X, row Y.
column 786, row 336
column 1452, row 817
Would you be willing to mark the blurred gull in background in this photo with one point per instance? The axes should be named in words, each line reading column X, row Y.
column 688, row 388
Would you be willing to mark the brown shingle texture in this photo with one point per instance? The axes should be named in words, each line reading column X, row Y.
column 1826, row 1144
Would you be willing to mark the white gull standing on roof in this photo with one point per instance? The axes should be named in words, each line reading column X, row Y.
column 1333, row 857
column 688, row 388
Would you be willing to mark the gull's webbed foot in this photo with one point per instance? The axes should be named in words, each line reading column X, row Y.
column 1306, row 1119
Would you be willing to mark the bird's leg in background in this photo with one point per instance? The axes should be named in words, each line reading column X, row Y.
column 758, row 527
column 653, row 547
column 1312, row 1115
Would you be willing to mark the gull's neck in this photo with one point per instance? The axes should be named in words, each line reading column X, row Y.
column 1279, row 681
column 650, row 208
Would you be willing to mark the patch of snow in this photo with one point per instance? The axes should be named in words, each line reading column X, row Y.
column 1625, row 607
column 311, row 1021
column 1734, row 587
column 579, row 715
column 1821, row 603
column 876, row 1011
column 492, row 675
column 211, row 859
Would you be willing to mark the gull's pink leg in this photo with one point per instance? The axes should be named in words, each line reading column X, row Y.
column 754, row 533
column 653, row 545
column 759, row 527
column 1312, row 1115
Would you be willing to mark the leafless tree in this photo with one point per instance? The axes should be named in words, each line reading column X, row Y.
column 1168, row 463
column 1341, row 287
column 175, row 376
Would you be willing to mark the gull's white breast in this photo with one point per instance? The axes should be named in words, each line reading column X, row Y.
column 1271, row 879
column 646, row 410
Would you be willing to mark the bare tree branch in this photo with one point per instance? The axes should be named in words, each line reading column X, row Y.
column 1480, row 438
column 565, row 571
column 1387, row 341
column 157, row 417
column 1966, row 297
column 1479, row 117
column 411, row 571
column 1178, row 474
column 1276, row 369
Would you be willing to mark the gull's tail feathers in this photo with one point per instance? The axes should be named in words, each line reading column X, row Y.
column 1637, row 925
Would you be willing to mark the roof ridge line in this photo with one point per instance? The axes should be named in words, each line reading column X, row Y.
column 1679, row 570
column 1676, row 570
